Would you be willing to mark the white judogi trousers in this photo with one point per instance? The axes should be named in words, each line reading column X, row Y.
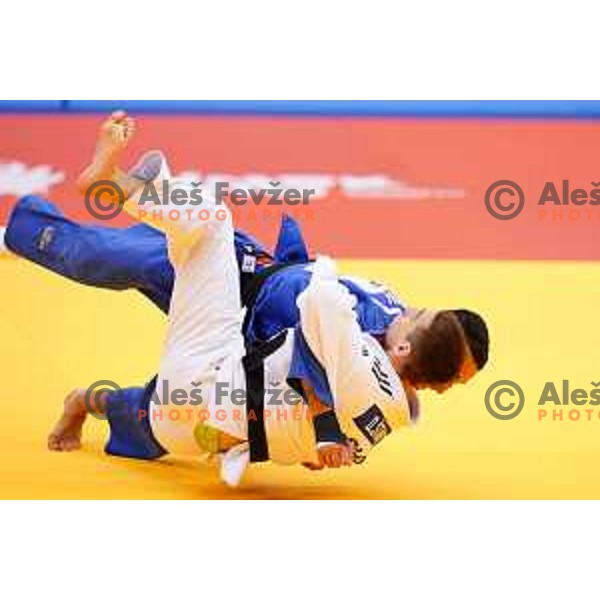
column 204, row 345
column 204, row 342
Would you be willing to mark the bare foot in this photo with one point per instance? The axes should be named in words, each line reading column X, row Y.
column 66, row 435
column 114, row 136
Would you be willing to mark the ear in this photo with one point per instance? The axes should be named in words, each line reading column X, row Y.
column 403, row 349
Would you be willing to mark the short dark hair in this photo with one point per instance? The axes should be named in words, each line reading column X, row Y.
column 438, row 351
column 476, row 335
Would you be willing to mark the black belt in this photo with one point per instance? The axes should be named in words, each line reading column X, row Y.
column 254, row 368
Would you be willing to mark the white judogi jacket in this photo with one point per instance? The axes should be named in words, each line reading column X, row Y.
column 204, row 345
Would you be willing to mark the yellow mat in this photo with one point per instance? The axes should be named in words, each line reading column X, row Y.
column 55, row 335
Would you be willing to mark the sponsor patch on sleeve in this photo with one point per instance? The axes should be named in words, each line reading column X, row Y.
column 373, row 424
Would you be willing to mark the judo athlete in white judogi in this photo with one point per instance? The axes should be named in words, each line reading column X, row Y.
column 204, row 348
column 262, row 399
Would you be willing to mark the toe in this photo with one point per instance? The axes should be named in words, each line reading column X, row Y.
column 54, row 443
column 71, row 444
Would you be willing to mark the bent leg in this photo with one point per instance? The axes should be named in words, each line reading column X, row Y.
column 204, row 342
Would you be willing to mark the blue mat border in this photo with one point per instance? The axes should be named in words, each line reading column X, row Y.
column 556, row 109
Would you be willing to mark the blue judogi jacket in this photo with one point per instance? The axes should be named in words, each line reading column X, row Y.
column 136, row 257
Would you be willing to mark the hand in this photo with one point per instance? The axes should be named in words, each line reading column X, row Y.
column 333, row 455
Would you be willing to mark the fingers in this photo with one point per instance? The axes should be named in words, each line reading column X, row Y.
column 332, row 459
column 312, row 466
column 334, row 456
column 347, row 456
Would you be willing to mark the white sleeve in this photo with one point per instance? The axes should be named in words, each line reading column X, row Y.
column 369, row 399
column 329, row 325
